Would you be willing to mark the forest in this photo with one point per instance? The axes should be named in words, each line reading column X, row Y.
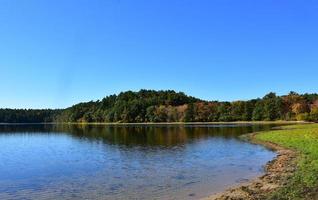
column 28, row 115
column 171, row 106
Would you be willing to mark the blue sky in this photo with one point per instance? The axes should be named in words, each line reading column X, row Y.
column 60, row 52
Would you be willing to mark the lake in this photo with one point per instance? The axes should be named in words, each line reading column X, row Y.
column 126, row 162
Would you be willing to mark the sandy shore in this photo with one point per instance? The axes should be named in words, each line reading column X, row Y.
column 277, row 174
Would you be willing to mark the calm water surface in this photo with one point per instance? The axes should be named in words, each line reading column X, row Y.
column 125, row 162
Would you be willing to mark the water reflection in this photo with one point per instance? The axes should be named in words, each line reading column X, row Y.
column 141, row 135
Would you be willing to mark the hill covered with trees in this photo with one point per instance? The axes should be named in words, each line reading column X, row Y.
column 142, row 106
column 170, row 106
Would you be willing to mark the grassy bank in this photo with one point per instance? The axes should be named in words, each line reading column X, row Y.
column 303, row 139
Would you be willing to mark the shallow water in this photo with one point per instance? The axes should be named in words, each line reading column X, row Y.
column 126, row 162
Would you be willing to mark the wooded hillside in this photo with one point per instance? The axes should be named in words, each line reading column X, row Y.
column 170, row 106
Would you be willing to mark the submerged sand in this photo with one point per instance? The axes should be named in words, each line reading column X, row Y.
column 277, row 174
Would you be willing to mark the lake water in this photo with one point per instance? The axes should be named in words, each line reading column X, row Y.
column 126, row 162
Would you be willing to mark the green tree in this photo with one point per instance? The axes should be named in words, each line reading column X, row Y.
column 189, row 113
column 258, row 113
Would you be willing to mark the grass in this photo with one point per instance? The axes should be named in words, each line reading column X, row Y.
column 303, row 139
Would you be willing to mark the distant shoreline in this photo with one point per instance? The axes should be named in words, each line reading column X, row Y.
column 161, row 123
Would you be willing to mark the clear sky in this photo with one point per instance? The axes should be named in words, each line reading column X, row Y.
column 54, row 53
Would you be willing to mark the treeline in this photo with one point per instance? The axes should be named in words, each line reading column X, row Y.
column 170, row 106
column 142, row 106
column 28, row 115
